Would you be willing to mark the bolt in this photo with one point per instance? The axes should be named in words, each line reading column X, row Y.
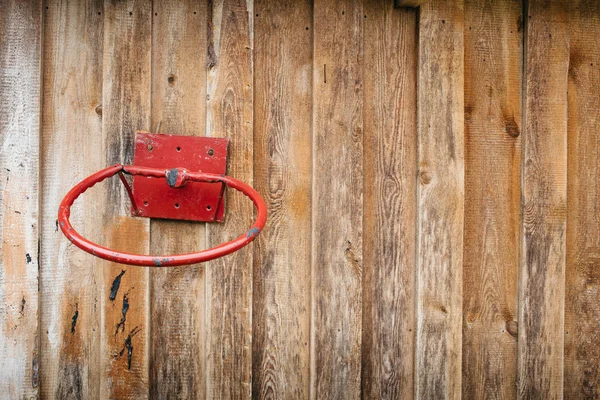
column 211, row 152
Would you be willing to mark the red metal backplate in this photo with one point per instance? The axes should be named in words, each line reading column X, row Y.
column 196, row 201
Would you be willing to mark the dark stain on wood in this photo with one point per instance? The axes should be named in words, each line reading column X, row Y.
column 70, row 384
column 129, row 345
column 28, row 258
column 74, row 318
column 114, row 288
column 211, row 55
column 124, row 310
column 22, row 310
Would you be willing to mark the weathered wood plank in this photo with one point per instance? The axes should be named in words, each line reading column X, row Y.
column 493, row 71
column 177, row 311
column 229, row 279
column 541, row 297
column 337, row 199
column 440, row 201
column 126, row 108
column 582, row 308
column 20, row 69
column 390, row 167
column 283, row 173
column 71, row 149
column 408, row 3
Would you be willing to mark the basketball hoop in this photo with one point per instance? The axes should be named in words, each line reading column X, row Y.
column 180, row 182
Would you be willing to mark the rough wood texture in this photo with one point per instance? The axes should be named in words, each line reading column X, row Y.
column 283, row 174
column 390, row 148
column 292, row 315
column 20, row 67
column 582, row 304
column 541, row 298
column 126, row 108
column 337, row 199
column 229, row 279
column 408, row 3
column 493, row 70
column 440, row 201
column 70, row 280
column 177, row 311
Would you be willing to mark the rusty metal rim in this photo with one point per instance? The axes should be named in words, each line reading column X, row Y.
column 221, row 250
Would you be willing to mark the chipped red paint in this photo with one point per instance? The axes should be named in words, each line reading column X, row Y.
column 160, row 261
column 181, row 199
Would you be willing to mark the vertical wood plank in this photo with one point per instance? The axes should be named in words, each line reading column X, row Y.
column 390, row 167
column 541, row 298
column 229, row 279
column 493, row 70
column 440, row 200
column 283, row 173
column 337, row 199
column 126, row 108
column 72, row 150
column 582, row 308
column 20, row 70
column 178, row 362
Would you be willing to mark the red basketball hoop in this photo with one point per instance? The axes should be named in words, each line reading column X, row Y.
column 176, row 178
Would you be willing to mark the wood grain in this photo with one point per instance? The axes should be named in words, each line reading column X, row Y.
column 20, row 64
column 440, row 201
column 177, row 310
column 229, row 279
column 493, row 71
column 337, row 199
column 408, row 3
column 582, row 305
column 542, row 281
column 283, row 173
column 390, row 167
column 70, row 279
column 126, row 108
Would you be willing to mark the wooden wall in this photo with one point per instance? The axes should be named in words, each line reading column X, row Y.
column 432, row 175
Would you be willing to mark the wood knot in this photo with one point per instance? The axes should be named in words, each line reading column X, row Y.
column 425, row 177
column 98, row 109
column 512, row 128
column 512, row 328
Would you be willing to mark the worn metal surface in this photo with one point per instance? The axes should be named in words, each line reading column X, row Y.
column 197, row 201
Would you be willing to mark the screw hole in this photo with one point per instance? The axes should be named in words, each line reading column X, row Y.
column 208, row 208
column 178, row 148
column 146, row 203
column 211, row 152
column 176, row 205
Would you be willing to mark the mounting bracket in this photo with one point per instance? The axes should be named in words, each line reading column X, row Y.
column 167, row 198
